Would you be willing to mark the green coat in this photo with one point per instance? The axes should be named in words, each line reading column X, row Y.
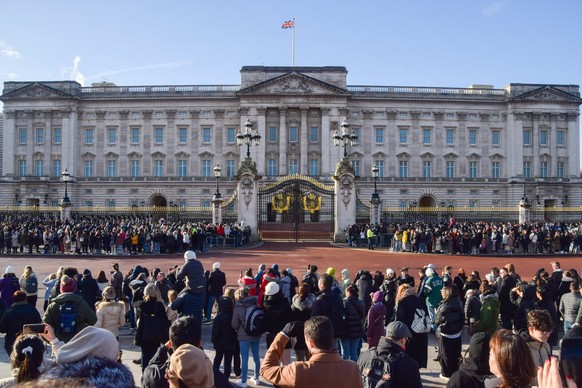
column 489, row 315
column 432, row 290
column 85, row 316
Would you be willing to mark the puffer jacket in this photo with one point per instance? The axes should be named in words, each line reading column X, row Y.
column 110, row 316
column 354, row 317
column 223, row 336
column 277, row 312
column 450, row 317
column 238, row 318
column 194, row 271
column 489, row 314
column 250, row 283
column 301, row 311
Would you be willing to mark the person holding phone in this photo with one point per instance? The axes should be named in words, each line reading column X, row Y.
column 13, row 320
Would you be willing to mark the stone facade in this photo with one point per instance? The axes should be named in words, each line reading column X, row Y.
column 157, row 145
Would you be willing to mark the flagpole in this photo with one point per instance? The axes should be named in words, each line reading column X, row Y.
column 293, row 43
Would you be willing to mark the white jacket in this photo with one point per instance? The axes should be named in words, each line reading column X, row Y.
column 110, row 316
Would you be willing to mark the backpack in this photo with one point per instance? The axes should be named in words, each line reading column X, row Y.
column 378, row 369
column 31, row 285
column 68, row 317
column 255, row 321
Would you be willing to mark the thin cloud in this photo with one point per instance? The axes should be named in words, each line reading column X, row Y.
column 492, row 9
column 10, row 75
column 8, row 51
column 168, row 65
column 73, row 72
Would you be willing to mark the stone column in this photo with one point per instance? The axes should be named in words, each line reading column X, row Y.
column 326, row 142
column 283, row 136
column 217, row 210
column 9, row 165
column 345, row 199
column 65, row 213
column 524, row 210
column 247, row 204
column 573, row 141
column 535, row 139
column 304, row 140
column 375, row 210
column 262, row 147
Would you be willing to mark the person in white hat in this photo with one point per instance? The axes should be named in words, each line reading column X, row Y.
column 194, row 271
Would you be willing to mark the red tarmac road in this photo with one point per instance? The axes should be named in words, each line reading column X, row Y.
column 294, row 255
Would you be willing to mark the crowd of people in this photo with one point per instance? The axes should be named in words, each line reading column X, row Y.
column 322, row 321
column 112, row 235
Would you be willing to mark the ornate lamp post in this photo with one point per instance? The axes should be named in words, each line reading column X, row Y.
column 345, row 138
column 66, row 202
column 524, row 207
column 217, row 200
column 249, row 137
column 375, row 201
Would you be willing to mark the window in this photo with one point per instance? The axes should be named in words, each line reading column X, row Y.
column 22, row 167
column 314, row 167
column 230, row 135
column 38, row 167
column 135, row 135
column 426, row 136
column 356, row 133
column 526, row 137
column 560, row 138
column 543, row 169
column 473, row 169
column 293, row 135
column 356, row 164
column 230, row 168
column 272, row 167
column 403, row 169
column 111, row 168
column 112, row 135
column 158, row 168
column 380, row 165
column 561, row 169
column 182, row 135
column 205, row 202
column 450, row 168
column 89, row 136
column 496, row 170
column 89, row 203
column 495, row 137
column 314, row 134
column 544, row 137
column 110, row 203
column 450, row 137
column 22, row 135
column 88, row 168
column 426, row 169
column 134, row 168
column 182, row 167
column 403, row 135
column 379, row 135
column 206, row 135
column 206, row 168
column 293, row 167
column 527, row 169
column 39, row 135
column 472, row 137
column 57, row 135
column 57, row 167
column 158, row 135
column 272, row 134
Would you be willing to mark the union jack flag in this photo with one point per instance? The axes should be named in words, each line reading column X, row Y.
column 288, row 24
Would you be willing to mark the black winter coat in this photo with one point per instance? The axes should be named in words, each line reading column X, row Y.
column 14, row 318
column 216, row 282
column 89, row 290
column 277, row 312
column 450, row 316
column 354, row 317
column 223, row 336
column 330, row 304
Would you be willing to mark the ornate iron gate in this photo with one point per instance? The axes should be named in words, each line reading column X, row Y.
column 296, row 208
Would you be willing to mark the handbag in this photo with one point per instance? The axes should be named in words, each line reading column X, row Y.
column 421, row 322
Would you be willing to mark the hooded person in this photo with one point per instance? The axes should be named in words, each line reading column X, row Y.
column 389, row 287
column 475, row 365
column 190, row 367
column 89, row 288
column 9, row 284
column 110, row 313
column 194, row 271
column 345, row 282
column 248, row 281
column 376, row 318
column 269, row 277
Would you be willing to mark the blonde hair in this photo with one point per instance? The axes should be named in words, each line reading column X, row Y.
column 172, row 295
column 402, row 291
column 241, row 293
column 151, row 292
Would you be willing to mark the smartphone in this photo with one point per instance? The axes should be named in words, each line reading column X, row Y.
column 34, row 327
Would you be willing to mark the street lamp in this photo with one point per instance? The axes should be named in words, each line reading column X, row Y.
column 345, row 138
column 217, row 174
column 375, row 171
column 66, row 202
column 249, row 136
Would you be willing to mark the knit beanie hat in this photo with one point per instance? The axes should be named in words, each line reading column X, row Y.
column 330, row 271
column 216, row 265
column 389, row 271
column 271, row 288
column 91, row 341
column 377, row 296
column 192, row 366
column 9, row 269
column 189, row 255
column 429, row 272
column 68, row 284
column 262, row 267
column 109, row 293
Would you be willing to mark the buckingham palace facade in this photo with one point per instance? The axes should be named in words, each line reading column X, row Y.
column 158, row 145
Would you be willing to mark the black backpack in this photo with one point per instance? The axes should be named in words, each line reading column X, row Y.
column 379, row 369
column 255, row 321
column 31, row 285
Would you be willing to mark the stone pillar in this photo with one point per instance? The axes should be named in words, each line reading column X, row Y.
column 65, row 213
column 217, row 210
column 248, row 199
column 326, row 142
column 262, row 147
column 375, row 210
column 303, row 141
column 345, row 199
column 283, row 136
column 524, row 210
column 572, row 141
column 9, row 164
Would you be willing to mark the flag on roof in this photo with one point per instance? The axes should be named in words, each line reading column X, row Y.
column 288, row 24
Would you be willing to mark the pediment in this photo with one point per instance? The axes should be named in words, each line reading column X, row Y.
column 134, row 155
column 182, row 155
column 158, row 155
column 293, row 84
column 427, row 155
column 88, row 155
column 473, row 156
column 450, row 155
column 547, row 94
column 496, row 156
column 357, row 155
column 379, row 155
column 403, row 155
column 206, row 154
column 229, row 155
column 35, row 91
column 111, row 155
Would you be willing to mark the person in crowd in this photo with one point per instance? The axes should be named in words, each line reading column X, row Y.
column 171, row 314
column 524, row 297
column 432, row 291
column 472, row 309
column 447, row 275
column 323, row 365
column 269, row 277
column 190, row 367
column 377, row 280
column 285, row 285
column 405, row 371
column 247, row 280
column 102, row 280
column 69, row 313
column 110, row 313
column 116, row 281
column 164, row 285
column 331, row 272
column 9, row 284
column 329, row 303
column 570, row 305
column 405, row 277
column 49, row 282
column 223, row 336
column 543, row 294
column 259, row 276
column 511, row 271
column 26, row 360
column 89, row 288
column 510, row 361
column 459, row 281
column 152, row 324
column 354, row 318
column 293, row 285
column 474, row 368
column 539, row 328
column 507, row 307
column 406, row 305
column 449, row 320
column 29, row 284
column 246, row 341
column 376, row 319
column 277, row 314
column 473, row 282
column 389, row 287
column 216, row 283
column 364, row 282
column 18, row 315
column 301, row 306
column 346, row 281
column 489, row 316
column 193, row 271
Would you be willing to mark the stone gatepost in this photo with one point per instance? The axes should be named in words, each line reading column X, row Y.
column 375, row 209
column 524, row 210
column 65, row 212
column 345, row 199
column 248, row 199
column 217, row 210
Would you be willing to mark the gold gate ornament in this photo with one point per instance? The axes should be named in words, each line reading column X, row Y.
column 312, row 202
column 281, row 203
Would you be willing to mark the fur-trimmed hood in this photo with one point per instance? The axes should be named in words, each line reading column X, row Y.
column 92, row 371
column 303, row 305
